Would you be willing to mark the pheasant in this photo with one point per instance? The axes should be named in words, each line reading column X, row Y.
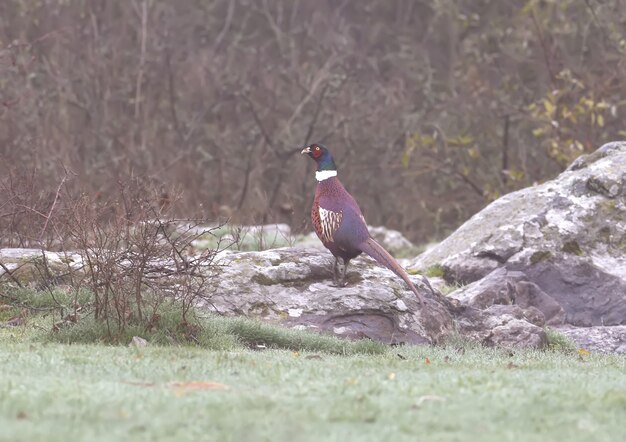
column 339, row 223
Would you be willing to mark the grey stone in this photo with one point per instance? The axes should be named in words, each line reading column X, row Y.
column 138, row 342
column 392, row 240
column 501, row 326
column 567, row 236
column 516, row 333
column 505, row 287
column 293, row 286
column 601, row 339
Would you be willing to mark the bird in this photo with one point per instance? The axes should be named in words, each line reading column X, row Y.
column 339, row 222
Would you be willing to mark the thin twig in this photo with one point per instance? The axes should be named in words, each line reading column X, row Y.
column 544, row 47
column 54, row 203
column 227, row 22
column 8, row 272
column 142, row 56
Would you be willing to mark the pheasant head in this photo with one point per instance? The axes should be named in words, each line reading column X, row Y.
column 326, row 167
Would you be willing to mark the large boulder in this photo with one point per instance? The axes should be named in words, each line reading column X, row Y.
column 293, row 286
column 502, row 287
column 566, row 238
column 557, row 250
column 603, row 339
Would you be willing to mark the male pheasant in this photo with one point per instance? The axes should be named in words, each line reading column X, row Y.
column 339, row 223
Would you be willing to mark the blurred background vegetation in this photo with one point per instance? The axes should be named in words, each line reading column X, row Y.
column 431, row 108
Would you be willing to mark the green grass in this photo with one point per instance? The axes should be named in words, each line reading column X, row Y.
column 559, row 342
column 434, row 271
column 53, row 391
column 73, row 384
column 213, row 333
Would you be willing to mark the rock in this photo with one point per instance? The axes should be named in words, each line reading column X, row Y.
column 12, row 257
column 36, row 267
column 138, row 342
column 600, row 338
column 501, row 326
column 566, row 236
column 515, row 333
column 504, row 287
column 293, row 286
column 309, row 241
column 393, row 241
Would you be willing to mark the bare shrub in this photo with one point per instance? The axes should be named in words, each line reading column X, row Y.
column 123, row 251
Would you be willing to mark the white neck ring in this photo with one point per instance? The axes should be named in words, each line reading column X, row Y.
column 322, row 175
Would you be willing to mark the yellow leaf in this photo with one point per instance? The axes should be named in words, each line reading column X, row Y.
column 549, row 107
column 427, row 140
column 583, row 352
column 538, row 132
column 406, row 158
column 600, row 120
column 466, row 139
column 181, row 387
column 461, row 140
column 528, row 7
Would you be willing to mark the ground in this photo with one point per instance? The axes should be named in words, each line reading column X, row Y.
column 53, row 391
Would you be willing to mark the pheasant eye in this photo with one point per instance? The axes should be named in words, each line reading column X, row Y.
column 317, row 148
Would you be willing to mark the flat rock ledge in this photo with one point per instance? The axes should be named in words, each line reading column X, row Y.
column 293, row 286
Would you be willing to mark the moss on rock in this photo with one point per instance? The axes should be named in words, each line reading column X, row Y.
column 540, row 255
column 262, row 279
column 573, row 248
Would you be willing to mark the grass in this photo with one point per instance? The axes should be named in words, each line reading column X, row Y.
column 212, row 333
column 559, row 342
column 303, row 387
column 434, row 271
column 446, row 289
column 97, row 392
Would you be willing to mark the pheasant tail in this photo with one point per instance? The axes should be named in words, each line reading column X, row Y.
column 376, row 251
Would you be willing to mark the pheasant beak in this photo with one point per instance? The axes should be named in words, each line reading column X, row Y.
column 306, row 150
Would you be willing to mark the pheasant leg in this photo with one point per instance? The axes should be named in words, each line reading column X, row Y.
column 339, row 272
